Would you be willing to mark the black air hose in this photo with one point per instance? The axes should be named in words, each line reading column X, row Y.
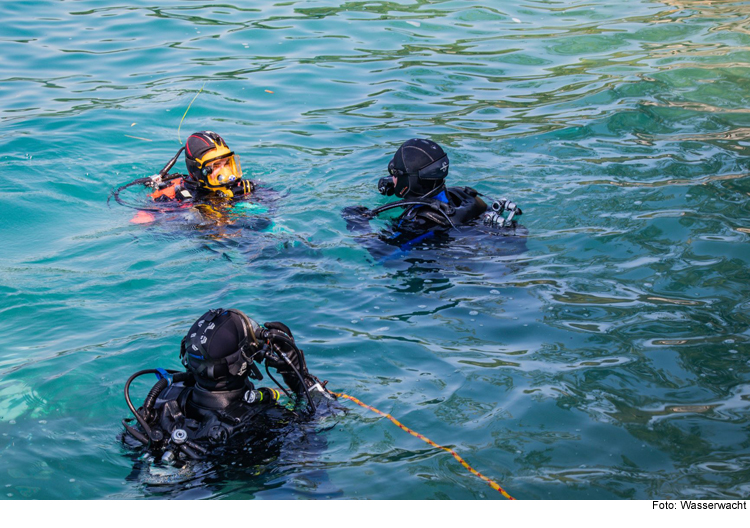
column 292, row 344
column 375, row 212
column 148, row 403
column 137, row 415
column 150, row 400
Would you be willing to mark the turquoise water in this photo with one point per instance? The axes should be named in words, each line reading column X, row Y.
column 609, row 360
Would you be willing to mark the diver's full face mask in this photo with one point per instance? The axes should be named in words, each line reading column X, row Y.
column 222, row 170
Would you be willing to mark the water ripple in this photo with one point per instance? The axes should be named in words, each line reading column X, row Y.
column 605, row 358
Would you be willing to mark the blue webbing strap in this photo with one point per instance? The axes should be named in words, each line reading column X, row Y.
column 163, row 374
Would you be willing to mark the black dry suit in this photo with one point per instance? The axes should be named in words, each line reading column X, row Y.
column 214, row 403
column 433, row 216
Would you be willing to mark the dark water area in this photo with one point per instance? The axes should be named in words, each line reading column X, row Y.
column 606, row 358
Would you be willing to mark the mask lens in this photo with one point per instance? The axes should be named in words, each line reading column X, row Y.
column 222, row 171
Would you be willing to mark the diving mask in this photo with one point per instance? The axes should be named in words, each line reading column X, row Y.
column 222, row 170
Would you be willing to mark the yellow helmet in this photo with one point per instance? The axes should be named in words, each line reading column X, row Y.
column 210, row 162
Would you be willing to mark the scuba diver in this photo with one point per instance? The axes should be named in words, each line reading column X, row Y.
column 214, row 183
column 432, row 211
column 214, row 403
column 212, row 168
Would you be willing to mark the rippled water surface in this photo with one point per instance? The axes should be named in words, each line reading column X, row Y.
column 608, row 360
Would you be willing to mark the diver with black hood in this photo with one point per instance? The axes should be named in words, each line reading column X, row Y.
column 431, row 210
column 214, row 403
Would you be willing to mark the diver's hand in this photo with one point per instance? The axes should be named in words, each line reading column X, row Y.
column 385, row 186
column 355, row 212
column 276, row 325
column 357, row 218
column 282, row 341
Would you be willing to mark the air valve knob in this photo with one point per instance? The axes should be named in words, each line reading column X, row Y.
column 179, row 436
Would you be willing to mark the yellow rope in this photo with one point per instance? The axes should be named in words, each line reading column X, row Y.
column 494, row 485
column 186, row 111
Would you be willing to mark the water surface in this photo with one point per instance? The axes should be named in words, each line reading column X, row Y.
column 608, row 361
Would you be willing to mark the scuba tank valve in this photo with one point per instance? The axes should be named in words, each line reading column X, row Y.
column 496, row 219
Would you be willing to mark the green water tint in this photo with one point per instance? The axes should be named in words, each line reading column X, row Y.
column 250, row 208
column 609, row 360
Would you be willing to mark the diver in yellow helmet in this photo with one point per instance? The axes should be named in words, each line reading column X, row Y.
column 213, row 170
column 214, row 184
column 213, row 166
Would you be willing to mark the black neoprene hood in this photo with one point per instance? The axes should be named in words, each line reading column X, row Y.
column 420, row 165
column 217, row 336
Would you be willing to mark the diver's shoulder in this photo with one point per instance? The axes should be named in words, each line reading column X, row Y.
column 462, row 190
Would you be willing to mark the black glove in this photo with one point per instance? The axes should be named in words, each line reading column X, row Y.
column 282, row 340
column 276, row 325
column 356, row 212
column 385, row 186
column 357, row 218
